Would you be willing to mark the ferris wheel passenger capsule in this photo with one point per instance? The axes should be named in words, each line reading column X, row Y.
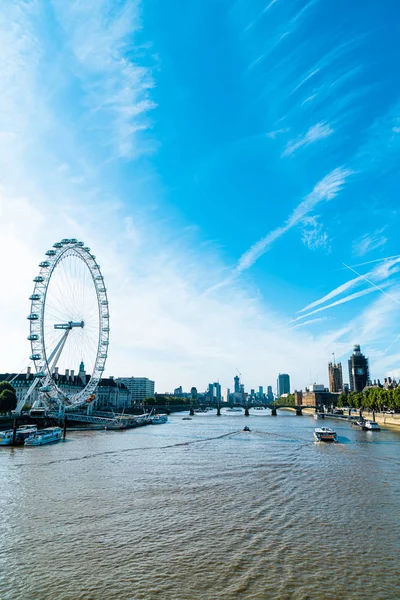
column 80, row 244
column 86, row 248
column 35, row 357
column 40, row 374
column 104, row 302
column 73, row 241
column 57, row 245
column 44, row 263
column 33, row 317
column 51, row 253
column 35, row 297
column 33, row 337
column 38, row 279
column 65, row 241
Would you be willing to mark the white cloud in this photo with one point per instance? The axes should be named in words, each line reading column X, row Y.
column 99, row 37
column 313, row 236
column 369, row 242
column 333, row 293
column 337, row 302
column 326, row 189
column 315, row 133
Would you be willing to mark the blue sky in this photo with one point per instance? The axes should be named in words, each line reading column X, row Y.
column 225, row 159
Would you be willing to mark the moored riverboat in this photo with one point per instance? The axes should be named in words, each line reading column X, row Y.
column 319, row 416
column 325, row 434
column 235, row 409
column 159, row 419
column 24, row 431
column 44, row 436
column 6, row 437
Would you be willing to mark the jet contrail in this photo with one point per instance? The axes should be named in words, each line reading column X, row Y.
column 371, row 283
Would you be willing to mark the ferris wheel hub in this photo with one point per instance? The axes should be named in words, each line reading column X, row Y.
column 69, row 325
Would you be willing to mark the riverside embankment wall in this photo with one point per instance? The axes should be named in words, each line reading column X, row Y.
column 381, row 418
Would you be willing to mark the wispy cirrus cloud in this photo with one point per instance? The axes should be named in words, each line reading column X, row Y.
column 326, row 189
column 378, row 274
column 116, row 87
column 314, row 236
column 369, row 242
column 317, row 132
column 337, row 302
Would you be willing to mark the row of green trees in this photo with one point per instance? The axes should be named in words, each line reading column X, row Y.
column 161, row 400
column 8, row 397
column 288, row 400
column 373, row 398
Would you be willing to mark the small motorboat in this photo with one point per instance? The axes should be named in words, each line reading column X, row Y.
column 319, row 416
column 186, row 418
column 246, row 428
column 371, row 426
column 325, row 434
column 357, row 423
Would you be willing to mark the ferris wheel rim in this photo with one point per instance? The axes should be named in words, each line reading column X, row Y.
column 37, row 337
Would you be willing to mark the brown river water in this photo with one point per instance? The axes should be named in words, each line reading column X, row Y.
column 202, row 510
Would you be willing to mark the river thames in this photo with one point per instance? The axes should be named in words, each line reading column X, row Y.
column 203, row 510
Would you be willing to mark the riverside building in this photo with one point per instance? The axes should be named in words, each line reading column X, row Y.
column 139, row 388
column 335, row 377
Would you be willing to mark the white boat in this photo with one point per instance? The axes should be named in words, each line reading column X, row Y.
column 259, row 408
column 158, row 419
column 234, row 409
column 371, row 426
column 6, row 437
column 325, row 434
column 44, row 436
column 319, row 416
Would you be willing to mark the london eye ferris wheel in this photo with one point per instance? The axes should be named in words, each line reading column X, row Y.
column 69, row 323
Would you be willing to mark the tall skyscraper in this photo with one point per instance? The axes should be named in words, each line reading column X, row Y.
column 237, row 384
column 260, row 392
column 335, row 377
column 283, row 384
column 270, row 394
column 358, row 370
column 217, row 391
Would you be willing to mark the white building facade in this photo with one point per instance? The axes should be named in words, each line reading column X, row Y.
column 139, row 388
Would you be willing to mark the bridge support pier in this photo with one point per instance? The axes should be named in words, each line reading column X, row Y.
column 246, row 412
column 65, row 428
column 191, row 412
column 273, row 411
column 218, row 411
column 299, row 412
